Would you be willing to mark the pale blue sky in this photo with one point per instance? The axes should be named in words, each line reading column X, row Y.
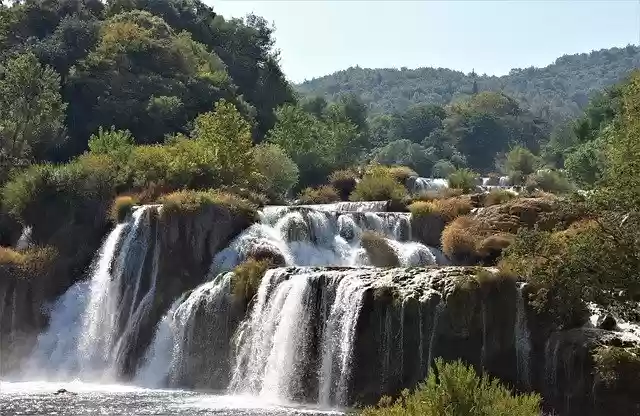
column 320, row 37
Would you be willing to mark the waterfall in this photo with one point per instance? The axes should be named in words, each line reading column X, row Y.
column 96, row 321
column 421, row 185
column 522, row 339
column 24, row 241
column 166, row 360
column 276, row 342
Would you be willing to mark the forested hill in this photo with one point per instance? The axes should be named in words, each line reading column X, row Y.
column 556, row 92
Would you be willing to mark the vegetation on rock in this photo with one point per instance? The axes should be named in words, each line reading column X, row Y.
column 455, row 389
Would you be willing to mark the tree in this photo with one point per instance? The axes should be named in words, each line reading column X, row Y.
column 279, row 172
column 116, row 143
column 406, row 153
column 480, row 136
column 442, row 169
column 521, row 160
column 417, row 123
column 317, row 146
column 226, row 136
column 585, row 165
column 31, row 112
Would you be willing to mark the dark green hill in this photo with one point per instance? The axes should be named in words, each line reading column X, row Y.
column 558, row 91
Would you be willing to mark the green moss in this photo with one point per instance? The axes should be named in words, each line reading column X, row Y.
column 247, row 278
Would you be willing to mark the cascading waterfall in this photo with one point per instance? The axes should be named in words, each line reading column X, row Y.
column 94, row 323
column 302, row 237
column 276, row 343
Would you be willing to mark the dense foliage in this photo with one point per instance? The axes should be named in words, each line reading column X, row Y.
column 557, row 92
column 456, row 389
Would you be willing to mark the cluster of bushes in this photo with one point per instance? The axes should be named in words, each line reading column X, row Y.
column 35, row 263
column 455, row 389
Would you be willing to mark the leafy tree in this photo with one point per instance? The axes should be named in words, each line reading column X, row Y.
column 417, row 123
column 31, row 112
column 116, row 143
column 521, row 160
column 480, row 135
column 279, row 172
column 585, row 165
column 314, row 105
column 226, row 136
column 406, row 153
column 316, row 146
column 442, row 169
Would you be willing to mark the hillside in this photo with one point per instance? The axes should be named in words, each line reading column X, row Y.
column 558, row 91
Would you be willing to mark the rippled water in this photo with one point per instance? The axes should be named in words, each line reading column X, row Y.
column 39, row 398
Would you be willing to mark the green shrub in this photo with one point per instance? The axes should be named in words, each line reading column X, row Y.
column 247, row 278
column 278, row 170
column 442, row 169
column 378, row 185
column 549, row 181
column 520, row 159
column 121, row 207
column 401, row 173
column 380, row 253
column 618, row 369
column 497, row 197
column 322, row 195
column 192, row 201
column 455, row 389
column 421, row 209
column 464, row 179
column 344, row 181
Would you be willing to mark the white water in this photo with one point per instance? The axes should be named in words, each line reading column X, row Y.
column 421, row 185
column 275, row 340
column 86, row 337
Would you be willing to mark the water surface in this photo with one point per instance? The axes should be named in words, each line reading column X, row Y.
column 39, row 398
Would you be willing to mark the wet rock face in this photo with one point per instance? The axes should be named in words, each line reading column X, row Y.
column 187, row 241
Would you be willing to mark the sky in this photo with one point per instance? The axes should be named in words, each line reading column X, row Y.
column 317, row 37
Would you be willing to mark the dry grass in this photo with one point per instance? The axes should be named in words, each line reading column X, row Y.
column 325, row 194
column 32, row 263
column 497, row 197
column 247, row 278
column 469, row 240
column 401, row 173
column 452, row 208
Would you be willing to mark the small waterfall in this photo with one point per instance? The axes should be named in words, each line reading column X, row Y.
column 421, row 185
column 338, row 341
column 24, row 241
column 95, row 323
column 522, row 339
column 166, row 361
column 276, row 342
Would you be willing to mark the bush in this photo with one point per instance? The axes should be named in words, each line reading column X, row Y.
column 121, row 207
column 494, row 180
column 464, row 179
column 497, row 197
column 618, row 369
column 442, row 169
column 33, row 263
column 520, row 159
column 279, row 172
column 401, row 173
column 344, row 181
column 380, row 253
column 421, row 209
column 451, row 208
column 459, row 240
column 322, row 195
column 192, row 201
column 549, row 181
column 247, row 278
column 456, row 389
column 378, row 185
